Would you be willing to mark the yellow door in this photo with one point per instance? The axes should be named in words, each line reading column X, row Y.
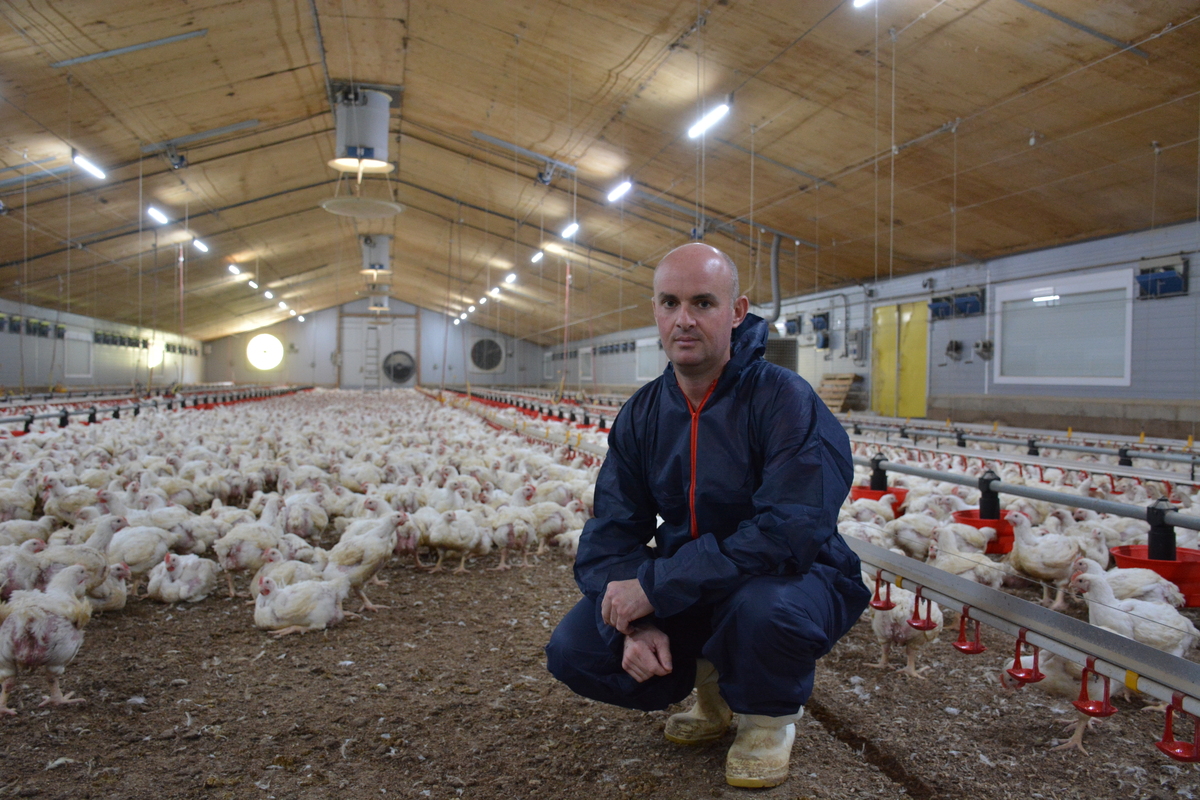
column 914, row 360
column 883, row 361
column 899, row 360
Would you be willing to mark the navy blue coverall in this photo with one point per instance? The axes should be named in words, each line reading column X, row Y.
column 748, row 571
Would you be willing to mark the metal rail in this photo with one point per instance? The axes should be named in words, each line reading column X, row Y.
column 1112, row 470
column 584, row 414
column 524, row 428
column 199, row 399
column 1138, row 666
column 1023, row 434
column 1033, row 443
column 1032, row 493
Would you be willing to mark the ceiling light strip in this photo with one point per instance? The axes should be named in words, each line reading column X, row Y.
column 133, row 48
column 197, row 137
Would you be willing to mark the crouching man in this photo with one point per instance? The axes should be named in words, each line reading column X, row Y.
column 749, row 582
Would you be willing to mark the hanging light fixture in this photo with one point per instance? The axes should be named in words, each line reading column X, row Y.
column 361, row 116
column 377, row 268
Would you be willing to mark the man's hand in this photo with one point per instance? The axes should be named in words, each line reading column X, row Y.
column 647, row 653
column 624, row 602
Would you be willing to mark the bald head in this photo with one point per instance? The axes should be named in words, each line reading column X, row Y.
column 703, row 257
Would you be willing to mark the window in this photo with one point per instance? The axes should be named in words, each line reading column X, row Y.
column 547, row 366
column 1069, row 331
column 78, row 359
column 649, row 364
column 585, row 363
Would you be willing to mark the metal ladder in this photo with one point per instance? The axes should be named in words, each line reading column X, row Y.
column 372, row 368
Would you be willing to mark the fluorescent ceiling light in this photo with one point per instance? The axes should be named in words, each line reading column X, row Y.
column 619, row 191
column 483, row 300
column 861, row 3
column 300, row 318
column 253, row 285
column 470, row 309
column 570, row 230
column 293, row 313
column 537, row 256
column 708, row 120
column 157, row 215
column 495, row 292
column 89, row 166
column 510, row 277
column 282, row 304
column 234, row 269
column 1045, row 298
column 201, row 246
column 457, row 321
column 267, row 294
column 462, row 315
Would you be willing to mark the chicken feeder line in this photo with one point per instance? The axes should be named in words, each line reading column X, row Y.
column 63, row 416
column 1124, row 454
column 1139, row 474
column 1140, row 667
column 1033, row 493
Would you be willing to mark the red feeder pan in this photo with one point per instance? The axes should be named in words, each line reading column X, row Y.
column 1184, row 571
column 1003, row 543
column 860, row 492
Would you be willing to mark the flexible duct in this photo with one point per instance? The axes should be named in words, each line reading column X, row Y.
column 775, row 299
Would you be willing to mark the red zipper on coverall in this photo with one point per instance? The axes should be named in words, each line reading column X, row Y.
column 695, row 412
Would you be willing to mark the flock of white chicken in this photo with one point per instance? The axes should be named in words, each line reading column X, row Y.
column 1052, row 546
column 310, row 495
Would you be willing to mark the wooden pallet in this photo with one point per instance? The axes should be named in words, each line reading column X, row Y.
column 837, row 389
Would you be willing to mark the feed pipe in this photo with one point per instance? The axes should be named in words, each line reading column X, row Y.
column 523, row 428
column 1067, row 465
column 1032, row 493
column 1140, row 667
column 197, row 399
column 936, row 434
column 776, row 300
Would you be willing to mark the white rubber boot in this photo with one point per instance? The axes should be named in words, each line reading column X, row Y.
column 759, row 755
column 709, row 718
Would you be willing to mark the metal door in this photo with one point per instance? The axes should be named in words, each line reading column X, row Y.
column 900, row 360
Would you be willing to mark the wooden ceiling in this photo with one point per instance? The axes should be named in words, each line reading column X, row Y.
column 1015, row 125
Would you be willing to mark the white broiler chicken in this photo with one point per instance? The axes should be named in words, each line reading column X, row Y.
column 514, row 528
column 1154, row 624
column 553, row 519
column 300, row 607
column 1047, row 558
column 283, row 571
column 891, row 628
column 460, row 534
column 1137, row 584
column 241, row 549
column 1062, row 681
column 945, row 554
column 20, row 567
column 65, row 502
column 912, row 533
column 142, row 549
column 92, row 554
column 362, row 551
column 182, row 579
column 113, row 593
column 43, row 629
column 21, row 530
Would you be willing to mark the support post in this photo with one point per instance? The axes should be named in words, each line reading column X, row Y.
column 1162, row 536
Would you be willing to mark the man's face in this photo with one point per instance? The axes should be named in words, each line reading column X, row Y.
column 693, row 309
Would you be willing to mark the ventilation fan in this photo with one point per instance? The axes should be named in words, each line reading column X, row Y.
column 399, row 366
column 487, row 355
